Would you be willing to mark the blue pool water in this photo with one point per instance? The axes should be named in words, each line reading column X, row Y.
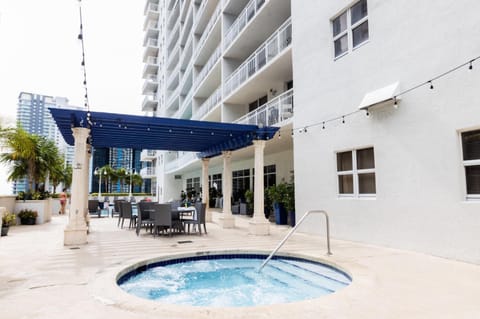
column 233, row 281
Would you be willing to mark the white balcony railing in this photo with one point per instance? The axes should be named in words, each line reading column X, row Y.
column 209, row 27
column 173, row 75
column 153, row 7
column 274, row 112
column 148, row 171
column 208, row 66
column 279, row 41
column 173, row 36
column 152, row 43
column 209, row 104
column 148, row 155
column 181, row 161
column 242, row 20
column 173, row 96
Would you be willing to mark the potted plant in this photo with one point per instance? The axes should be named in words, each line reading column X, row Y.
column 276, row 194
column 27, row 216
column 289, row 202
column 249, row 201
column 7, row 220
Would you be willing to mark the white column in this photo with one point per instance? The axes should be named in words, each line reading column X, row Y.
column 227, row 220
column 205, row 188
column 86, row 172
column 76, row 231
column 259, row 224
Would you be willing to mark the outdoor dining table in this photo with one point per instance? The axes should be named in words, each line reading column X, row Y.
column 185, row 212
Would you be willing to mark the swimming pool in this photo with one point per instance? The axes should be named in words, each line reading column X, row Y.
column 232, row 280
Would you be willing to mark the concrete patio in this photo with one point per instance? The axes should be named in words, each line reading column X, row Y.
column 40, row 278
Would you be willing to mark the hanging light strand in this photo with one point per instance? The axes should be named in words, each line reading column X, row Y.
column 469, row 63
column 83, row 64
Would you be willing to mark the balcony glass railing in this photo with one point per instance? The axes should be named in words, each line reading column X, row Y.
column 280, row 40
column 208, row 66
column 209, row 104
column 274, row 112
column 242, row 20
column 173, row 96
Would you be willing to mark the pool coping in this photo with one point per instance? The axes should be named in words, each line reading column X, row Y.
column 106, row 290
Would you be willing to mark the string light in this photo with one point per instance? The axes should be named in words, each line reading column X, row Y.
column 81, row 38
column 469, row 63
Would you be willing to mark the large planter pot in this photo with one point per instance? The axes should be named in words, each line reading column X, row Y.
column 28, row 221
column 42, row 207
column 5, row 230
column 291, row 218
column 281, row 216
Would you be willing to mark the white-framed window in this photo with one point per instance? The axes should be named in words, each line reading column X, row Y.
column 350, row 28
column 471, row 163
column 356, row 173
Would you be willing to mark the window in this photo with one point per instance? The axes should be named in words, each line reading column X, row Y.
column 471, row 162
column 356, row 173
column 350, row 28
column 240, row 183
column 269, row 175
column 216, row 182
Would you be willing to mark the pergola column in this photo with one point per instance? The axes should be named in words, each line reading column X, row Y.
column 227, row 220
column 76, row 231
column 259, row 224
column 206, row 189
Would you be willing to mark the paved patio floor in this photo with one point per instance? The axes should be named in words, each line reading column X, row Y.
column 40, row 278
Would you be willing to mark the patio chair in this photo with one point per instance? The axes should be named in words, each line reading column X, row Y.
column 94, row 207
column 198, row 219
column 116, row 209
column 145, row 215
column 126, row 213
column 163, row 220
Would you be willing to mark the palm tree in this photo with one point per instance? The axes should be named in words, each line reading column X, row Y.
column 136, row 180
column 22, row 155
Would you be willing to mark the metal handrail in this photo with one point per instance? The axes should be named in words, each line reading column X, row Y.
column 329, row 252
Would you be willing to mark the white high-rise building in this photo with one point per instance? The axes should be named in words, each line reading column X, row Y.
column 224, row 61
column 386, row 130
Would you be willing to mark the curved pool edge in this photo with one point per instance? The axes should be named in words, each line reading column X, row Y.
column 104, row 289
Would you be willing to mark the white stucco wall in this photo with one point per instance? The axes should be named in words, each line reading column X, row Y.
column 420, row 202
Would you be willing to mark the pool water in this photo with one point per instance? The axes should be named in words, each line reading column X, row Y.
column 234, row 282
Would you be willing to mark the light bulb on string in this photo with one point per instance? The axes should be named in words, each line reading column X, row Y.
column 367, row 113
column 431, row 85
column 470, row 65
column 343, row 119
column 323, row 125
column 395, row 103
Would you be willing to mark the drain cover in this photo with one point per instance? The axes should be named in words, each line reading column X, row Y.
column 185, row 242
column 74, row 248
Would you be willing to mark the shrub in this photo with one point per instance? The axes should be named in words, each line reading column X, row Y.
column 8, row 219
column 27, row 213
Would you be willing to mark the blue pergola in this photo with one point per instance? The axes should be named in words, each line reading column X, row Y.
column 208, row 139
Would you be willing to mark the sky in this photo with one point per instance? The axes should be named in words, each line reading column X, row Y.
column 40, row 53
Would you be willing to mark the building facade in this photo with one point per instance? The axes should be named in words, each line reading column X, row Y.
column 223, row 61
column 403, row 173
column 35, row 118
column 386, row 130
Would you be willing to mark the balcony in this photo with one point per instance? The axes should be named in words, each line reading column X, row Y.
column 208, row 66
column 151, row 31
column 243, row 18
column 151, row 48
column 151, row 10
column 148, row 155
column 150, row 103
column 274, row 113
column 150, row 67
column 209, row 27
column 267, row 52
column 210, row 103
column 173, row 15
column 173, row 37
column 151, row 85
column 182, row 161
column 148, row 172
